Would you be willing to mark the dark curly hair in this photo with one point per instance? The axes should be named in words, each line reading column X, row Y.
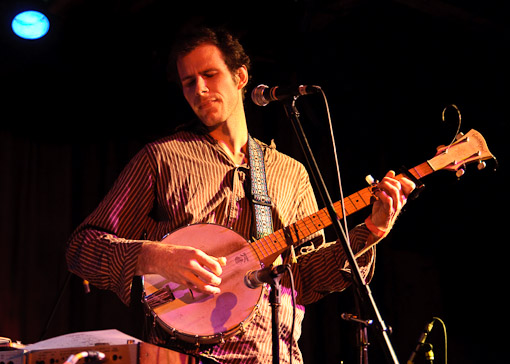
column 229, row 46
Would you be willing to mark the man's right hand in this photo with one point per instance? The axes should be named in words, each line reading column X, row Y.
column 184, row 265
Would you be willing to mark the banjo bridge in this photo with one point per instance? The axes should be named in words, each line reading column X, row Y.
column 160, row 297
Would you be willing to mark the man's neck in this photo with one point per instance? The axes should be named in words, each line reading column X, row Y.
column 233, row 140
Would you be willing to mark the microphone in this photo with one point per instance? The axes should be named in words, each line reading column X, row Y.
column 429, row 352
column 263, row 95
column 256, row 278
column 421, row 341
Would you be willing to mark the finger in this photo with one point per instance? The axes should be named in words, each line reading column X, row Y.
column 196, row 284
column 222, row 261
column 408, row 186
column 393, row 191
column 390, row 174
column 204, row 274
column 213, row 264
column 391, row 181
column 384, row 198
column 404, row 186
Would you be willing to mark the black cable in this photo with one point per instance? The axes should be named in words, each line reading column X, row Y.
column 55, row 306
column 337, row 165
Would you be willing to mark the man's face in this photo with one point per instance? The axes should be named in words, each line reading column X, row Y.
column 209, row 87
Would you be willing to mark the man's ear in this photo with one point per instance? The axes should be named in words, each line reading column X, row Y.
column 242, row 77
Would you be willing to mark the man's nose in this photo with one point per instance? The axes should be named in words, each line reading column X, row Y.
column 201, row 86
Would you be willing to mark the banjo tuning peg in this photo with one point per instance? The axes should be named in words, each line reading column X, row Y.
column 481, row 165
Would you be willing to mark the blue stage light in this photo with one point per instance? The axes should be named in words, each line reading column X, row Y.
column 30, row 24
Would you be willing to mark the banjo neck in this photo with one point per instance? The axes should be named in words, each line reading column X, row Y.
column 272, row 245
column 465, row 149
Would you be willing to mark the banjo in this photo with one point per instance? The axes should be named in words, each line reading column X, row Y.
column 199, row 318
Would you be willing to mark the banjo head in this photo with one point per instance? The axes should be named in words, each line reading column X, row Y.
column 202, row 318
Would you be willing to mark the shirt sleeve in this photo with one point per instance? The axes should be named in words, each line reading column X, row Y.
column 104, row 249
column 326, row 269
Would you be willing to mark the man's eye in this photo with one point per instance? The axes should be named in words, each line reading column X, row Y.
column 188, row 83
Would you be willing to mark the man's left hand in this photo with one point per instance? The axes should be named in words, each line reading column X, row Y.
column 391, row 196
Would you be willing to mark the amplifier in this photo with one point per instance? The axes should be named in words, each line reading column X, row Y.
column 120, row 354
column 117, row 347
column 12, row 357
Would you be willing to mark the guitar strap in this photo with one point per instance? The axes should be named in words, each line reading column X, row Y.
column 261, row 200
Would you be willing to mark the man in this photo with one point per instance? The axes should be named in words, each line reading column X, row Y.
column 201, row 175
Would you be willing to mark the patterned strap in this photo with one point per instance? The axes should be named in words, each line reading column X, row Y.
column 261, row 200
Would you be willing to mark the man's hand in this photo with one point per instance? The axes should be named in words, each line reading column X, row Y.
column 392, row 196
column 184, row 265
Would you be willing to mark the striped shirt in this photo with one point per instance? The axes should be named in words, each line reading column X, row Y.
column 187, row 178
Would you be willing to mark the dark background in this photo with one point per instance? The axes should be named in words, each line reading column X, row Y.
column 78, row 103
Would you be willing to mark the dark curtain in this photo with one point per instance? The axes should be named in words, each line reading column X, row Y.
column 47, row 188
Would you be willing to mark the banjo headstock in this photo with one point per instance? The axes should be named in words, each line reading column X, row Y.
column 466, row 149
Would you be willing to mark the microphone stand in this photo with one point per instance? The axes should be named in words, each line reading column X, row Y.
column 362, row 332
column 360, row 285
column 274, row 302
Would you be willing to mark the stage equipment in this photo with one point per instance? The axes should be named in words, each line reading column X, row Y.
column 256, row 278
column 421, row 341
column 30, row 24
column 273, row 279
column 103, row 346
column 426, row 347
column 12, row 356
column 263, row 95
column 272, row 276
column 362, row 335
